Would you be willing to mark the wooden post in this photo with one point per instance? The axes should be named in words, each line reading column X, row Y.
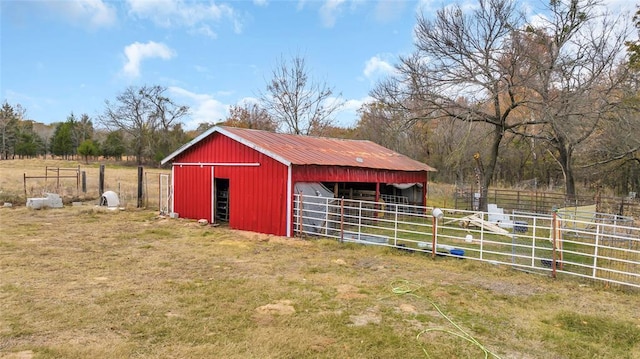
column 146, row 190
column 78, row 181
column 140, row 176
column 101, row 181
column 84, row 182
column 25, row 186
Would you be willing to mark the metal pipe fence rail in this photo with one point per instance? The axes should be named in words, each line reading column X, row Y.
column 543, row 201
column 544, row 244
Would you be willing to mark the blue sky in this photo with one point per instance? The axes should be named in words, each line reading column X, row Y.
column 59, row 57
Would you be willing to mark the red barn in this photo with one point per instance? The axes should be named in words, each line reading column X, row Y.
column 247, row 177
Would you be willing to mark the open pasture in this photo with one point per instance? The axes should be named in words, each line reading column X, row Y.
column 82, row 282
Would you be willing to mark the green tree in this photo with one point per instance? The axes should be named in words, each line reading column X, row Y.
column 84, row 128
column 28, row 143
column 88, row 148
column 9, row 119
column 62, row 143
column 114, row 145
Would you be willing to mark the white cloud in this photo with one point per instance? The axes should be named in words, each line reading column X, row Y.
column 260, row 2
column 389, row 10
column 206, row 31
column 137, row 52
column 249, row 101
column 377, row 66
column 348, row 115
column 95, row 12
column 330, row 11
column 204, row 107
column 179, row 13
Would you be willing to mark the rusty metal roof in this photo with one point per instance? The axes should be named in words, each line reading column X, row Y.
column 322, row 151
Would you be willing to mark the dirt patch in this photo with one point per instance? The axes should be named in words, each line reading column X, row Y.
column 507, row 288
column 408, row 308
column 370, row 316
column 320, row 344
column 26, row 354
column 280, row 307
column 348, row 291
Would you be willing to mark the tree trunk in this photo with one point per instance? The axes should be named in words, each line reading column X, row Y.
column 490, row 169
column 566, row 157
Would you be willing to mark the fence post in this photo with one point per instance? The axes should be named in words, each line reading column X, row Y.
column 342, row 220
column 395, row 229
column 300, row 223
column 533, row 244
column 326, row 216
column 58, row 180
column 140, row 177
column 553, row 244
column 84, row 182
column 359, row 218
column 101, row 181
column 434, row 227
column 482, row 238
column 78, row 181
column 595, row 251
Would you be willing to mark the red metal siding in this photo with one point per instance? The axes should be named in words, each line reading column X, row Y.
column 352, row 174
column 257, row 194
column 192, row 192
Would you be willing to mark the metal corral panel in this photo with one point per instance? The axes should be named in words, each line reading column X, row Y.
column 257, row 184
column 350, row 174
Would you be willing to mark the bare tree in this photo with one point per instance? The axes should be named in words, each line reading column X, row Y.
column 384, row 125
column 463, row 69
column 250, row 116
column 299, row 105
column 574, row 78
column 146, row 115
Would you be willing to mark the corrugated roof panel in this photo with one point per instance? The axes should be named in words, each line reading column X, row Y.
column 309, row 150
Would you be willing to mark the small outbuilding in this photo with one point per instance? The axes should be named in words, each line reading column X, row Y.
column 248, row 177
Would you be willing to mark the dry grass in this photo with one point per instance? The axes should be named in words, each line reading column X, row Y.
column 83, row 282
column 118, row 178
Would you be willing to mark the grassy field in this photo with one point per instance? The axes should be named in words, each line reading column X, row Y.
column 83, row 282
column 14, row 188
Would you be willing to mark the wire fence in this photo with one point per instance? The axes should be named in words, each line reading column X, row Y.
column 590, row 247
column 82, row 184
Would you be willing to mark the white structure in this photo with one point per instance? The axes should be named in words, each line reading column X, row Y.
column 51, row 200
column 109, row 199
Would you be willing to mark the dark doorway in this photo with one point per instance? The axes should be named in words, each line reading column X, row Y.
column 222, row 199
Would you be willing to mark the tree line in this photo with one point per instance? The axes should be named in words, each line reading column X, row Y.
column 142, row 122
column 487, row 96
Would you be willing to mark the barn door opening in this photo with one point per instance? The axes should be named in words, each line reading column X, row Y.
column 221, row 186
